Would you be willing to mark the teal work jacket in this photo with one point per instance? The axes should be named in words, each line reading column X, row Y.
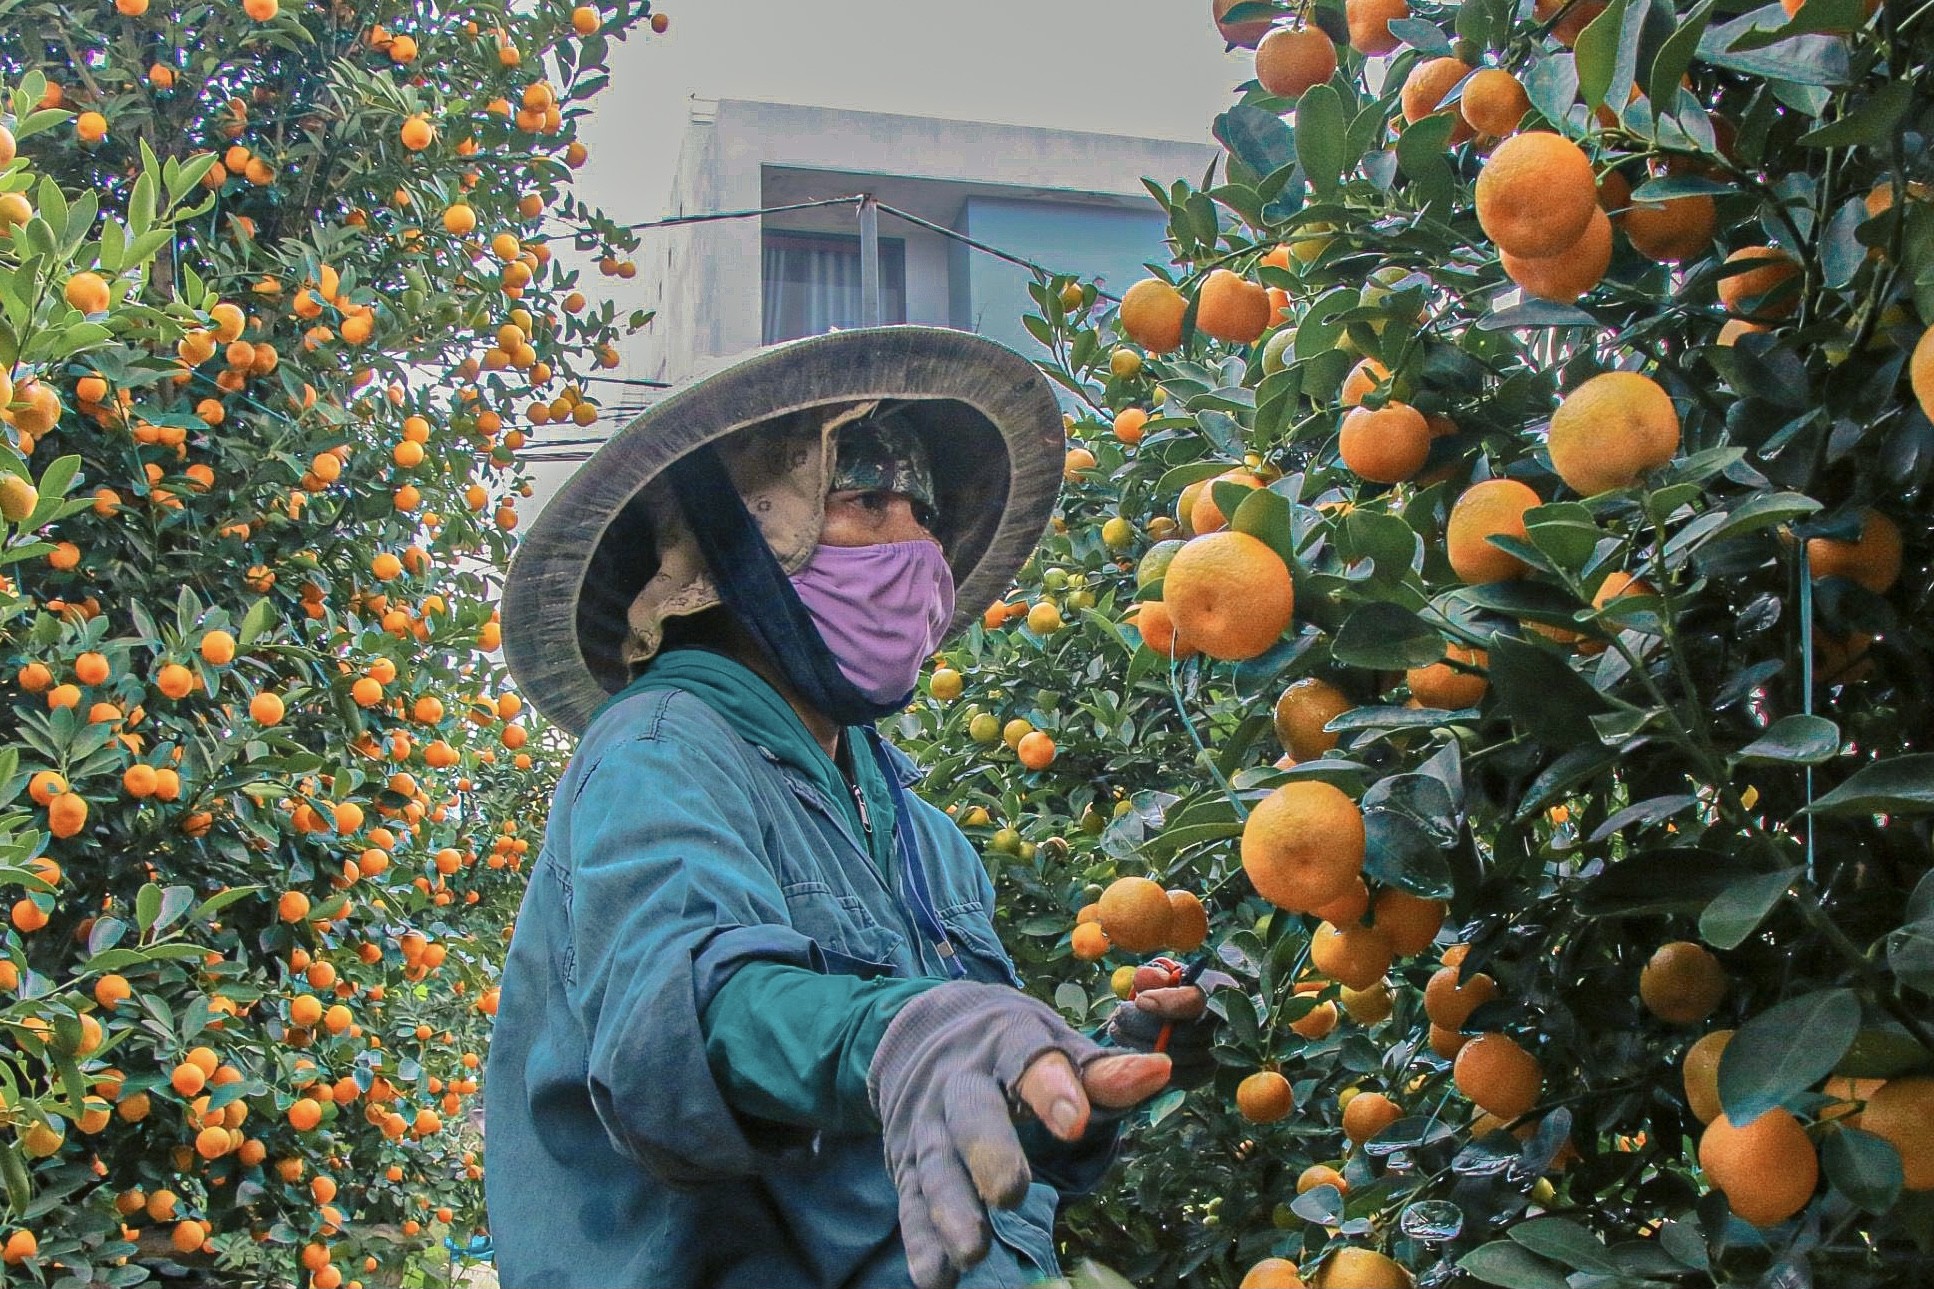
column 677, row 852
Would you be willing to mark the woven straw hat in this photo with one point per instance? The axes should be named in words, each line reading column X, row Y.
column 609, row 559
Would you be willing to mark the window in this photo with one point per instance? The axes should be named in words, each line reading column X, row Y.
column 812, row 283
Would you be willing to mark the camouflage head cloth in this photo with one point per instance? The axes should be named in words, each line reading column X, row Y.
column 883, row 453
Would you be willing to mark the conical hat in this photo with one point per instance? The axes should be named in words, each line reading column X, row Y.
column 987, row 414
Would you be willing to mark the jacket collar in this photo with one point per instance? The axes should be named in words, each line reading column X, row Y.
column 904, row 768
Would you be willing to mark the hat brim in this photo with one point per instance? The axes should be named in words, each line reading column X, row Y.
column 987, row 413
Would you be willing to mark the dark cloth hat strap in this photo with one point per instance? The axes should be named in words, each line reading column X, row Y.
column 755, row 589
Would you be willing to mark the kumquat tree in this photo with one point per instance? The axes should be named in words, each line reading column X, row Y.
column 278, row 309
column 1489, row 619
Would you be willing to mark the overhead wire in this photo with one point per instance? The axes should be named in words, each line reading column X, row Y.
column 547, row 453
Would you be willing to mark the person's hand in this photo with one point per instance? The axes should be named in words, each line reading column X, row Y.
column 954, row 1067
column 1167, row 1011
column 1062, row 1099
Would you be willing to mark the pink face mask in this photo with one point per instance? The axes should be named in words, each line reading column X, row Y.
column 880, row 609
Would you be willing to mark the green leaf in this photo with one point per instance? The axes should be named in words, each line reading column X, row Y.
column 1677, row 880
column 1675, row 56
column 1795, row 740
column 1565, row 1242
column 1650, row 811
column 1510, row 1266
column 1170, row 840
column 141, row 205
column 1423, row 36
column 1567, row 543
column 1259, row 139
column 1803, row 60
column 1421, row 157
column 1841, row 252
column 175, row 901
column 1863, row 1167
column 1384, row 719
column 1527, row 601
column 13, row 1170
column 1596, row 52
column 1910, row 953
column 1558, row 779
column 1072, row 999
column 184, row 175
column 1386, row 637
column 1542, row 694
column 1385, row 539
column 1181, row 476
column 1320, row 1204
column 1736, row 912
column 1785, row 1050
column 1400, row 852
column 1666, row 188
column 1320, row 142
column 1485, row 23
column 1159, row 1109
column 1881, row 1053
column 1424, row 797
column 1903, row 785
column 147, row 905
column 256, row 621
column 1224, row 431
column 54, row 483
column 1266, row 516
column 1535, row 313
column 1871, row 124
column 105, row 934
column 1763, row 511
column 1552, row 85
column 44, row 119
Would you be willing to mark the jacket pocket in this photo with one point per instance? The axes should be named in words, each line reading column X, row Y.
column 979, row 948
column 842, row 928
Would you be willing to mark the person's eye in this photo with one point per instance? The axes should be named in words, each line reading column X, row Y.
column 876, row 502
column 924, row 515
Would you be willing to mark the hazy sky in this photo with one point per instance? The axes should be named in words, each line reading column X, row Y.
column 1139, row 67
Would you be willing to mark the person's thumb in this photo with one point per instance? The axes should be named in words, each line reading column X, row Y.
column 1119, row 1081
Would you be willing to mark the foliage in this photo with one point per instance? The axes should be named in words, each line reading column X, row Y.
column 274, row 281
column 1735, row 754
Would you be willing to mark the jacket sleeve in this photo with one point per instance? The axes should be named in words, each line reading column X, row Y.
column 668, row 898
column 794, row 1046
column 1072, row 1168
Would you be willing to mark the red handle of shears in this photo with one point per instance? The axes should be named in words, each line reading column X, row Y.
column 1174, row 970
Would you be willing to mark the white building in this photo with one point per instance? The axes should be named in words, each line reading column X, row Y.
column 1072, row 202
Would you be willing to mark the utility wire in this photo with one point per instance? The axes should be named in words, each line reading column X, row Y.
column 854, row 199
column 674, row 220
column 980, row 246
column 625, row 411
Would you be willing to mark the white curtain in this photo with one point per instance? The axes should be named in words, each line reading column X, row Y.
column 811, row 283
column 810, row 288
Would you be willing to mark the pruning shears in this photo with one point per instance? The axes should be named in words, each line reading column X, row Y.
column 1173, row 975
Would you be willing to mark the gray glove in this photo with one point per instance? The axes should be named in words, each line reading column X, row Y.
column 942, row 1082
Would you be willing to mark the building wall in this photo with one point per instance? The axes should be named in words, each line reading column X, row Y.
column 706, row 287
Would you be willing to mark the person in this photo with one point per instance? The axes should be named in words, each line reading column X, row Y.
column 756, row 1027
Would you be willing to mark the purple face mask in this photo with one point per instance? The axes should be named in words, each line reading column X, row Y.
column 880, row 609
